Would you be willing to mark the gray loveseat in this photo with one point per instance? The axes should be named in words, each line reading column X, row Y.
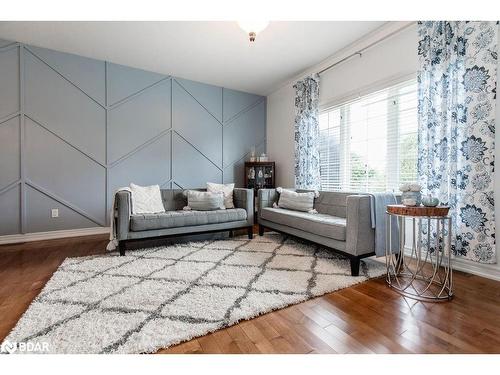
column 176, row 222
column 343, row 223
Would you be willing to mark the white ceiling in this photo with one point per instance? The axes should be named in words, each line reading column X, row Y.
column 217, row 53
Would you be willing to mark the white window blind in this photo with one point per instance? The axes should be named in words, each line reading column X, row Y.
column 370, row 144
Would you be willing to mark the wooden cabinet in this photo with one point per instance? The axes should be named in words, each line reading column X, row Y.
column 260, row 175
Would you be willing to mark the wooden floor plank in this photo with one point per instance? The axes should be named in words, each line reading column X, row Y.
column 293, row 334
column 368, row 317
column 226, row 342
column 242, row 340
column 257, row 336
column 209, row 344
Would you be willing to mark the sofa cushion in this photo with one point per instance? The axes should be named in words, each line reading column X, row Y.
column 226, row 189
column 296, row 201
column 320, row 224
column 204, row 200
column 174, row 219
column 146, row 199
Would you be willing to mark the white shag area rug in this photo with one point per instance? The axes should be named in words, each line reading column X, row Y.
column 157, row 297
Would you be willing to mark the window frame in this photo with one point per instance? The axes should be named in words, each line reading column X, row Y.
column 393, row 154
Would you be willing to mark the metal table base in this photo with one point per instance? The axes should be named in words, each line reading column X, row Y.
column 426, row 272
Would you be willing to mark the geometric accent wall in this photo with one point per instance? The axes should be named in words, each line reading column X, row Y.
column 73, row 130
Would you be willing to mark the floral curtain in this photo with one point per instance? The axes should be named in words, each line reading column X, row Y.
column 307, row 173
column 456, row 110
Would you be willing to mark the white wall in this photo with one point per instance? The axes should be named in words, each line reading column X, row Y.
column 393, row 58
column 280, row 133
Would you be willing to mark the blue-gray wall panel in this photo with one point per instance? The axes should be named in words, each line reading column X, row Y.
column 191, row 169
column 9, row 152
column 10, row 211
column 148, row 166
column 57, row 167
column 195, row 124
column 210, row 97
column 64, row 109
column 40, row 205
column 236, row 102
column 91, row 127
column 235, row 172
column 243, row 132
column 9, row 81
column 4, row 42
column 124, row 81
column 150, row 112
column 88, row 74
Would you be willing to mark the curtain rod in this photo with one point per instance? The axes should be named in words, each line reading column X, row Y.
column 360, row 52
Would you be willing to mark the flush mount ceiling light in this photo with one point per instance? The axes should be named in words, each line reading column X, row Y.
column 253, row 27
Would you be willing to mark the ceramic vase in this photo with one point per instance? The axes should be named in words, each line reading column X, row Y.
column 411, row 198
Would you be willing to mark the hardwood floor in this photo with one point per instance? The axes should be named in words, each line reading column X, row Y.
column 365, row 318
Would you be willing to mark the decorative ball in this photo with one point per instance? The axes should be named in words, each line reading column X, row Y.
column 430, row 201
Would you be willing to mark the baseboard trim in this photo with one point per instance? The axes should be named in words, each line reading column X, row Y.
column 41, row 236
column 485, row 270
column 489, row 271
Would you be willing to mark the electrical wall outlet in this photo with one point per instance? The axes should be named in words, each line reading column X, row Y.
column 54, row 212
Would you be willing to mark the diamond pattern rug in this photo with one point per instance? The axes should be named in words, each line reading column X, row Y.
column 157, row 297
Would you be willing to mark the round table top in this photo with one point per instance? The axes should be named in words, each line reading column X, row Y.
column 401, row 209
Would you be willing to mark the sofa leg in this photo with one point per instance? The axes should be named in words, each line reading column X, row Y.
column 231, row 234
column 250, row 232
column 261, row 230
column 121, row 247
column 355, row 266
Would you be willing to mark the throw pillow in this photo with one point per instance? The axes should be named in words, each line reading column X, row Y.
column 226, row 189
column 146, row 199
column 297, row 201
column 204, row 200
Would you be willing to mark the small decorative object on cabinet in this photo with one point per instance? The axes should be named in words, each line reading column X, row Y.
column 263, row 158
column 252, row 154
column 259, row 175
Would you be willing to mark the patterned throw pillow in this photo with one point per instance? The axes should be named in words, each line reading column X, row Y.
column 204, row 200
column 297, row 201
column 146, row 199
column 226, row 189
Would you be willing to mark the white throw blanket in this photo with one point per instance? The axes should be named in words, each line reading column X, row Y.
column 113, row 242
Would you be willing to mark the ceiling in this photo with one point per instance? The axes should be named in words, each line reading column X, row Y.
column 217, row 53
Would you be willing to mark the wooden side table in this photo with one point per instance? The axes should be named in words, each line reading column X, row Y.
column 426, row 274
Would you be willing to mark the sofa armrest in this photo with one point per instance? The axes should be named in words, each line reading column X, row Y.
column 122, row 211
column 266, row 198
column 360, row 236
column 243, row 198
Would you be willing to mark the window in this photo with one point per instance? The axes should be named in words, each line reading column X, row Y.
column 370, row 144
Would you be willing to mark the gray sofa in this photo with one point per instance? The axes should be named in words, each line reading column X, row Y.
column 343, row 223
column 176, row 222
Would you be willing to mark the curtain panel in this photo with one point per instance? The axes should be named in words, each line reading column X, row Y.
column 307, row 167
column 456, row 115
